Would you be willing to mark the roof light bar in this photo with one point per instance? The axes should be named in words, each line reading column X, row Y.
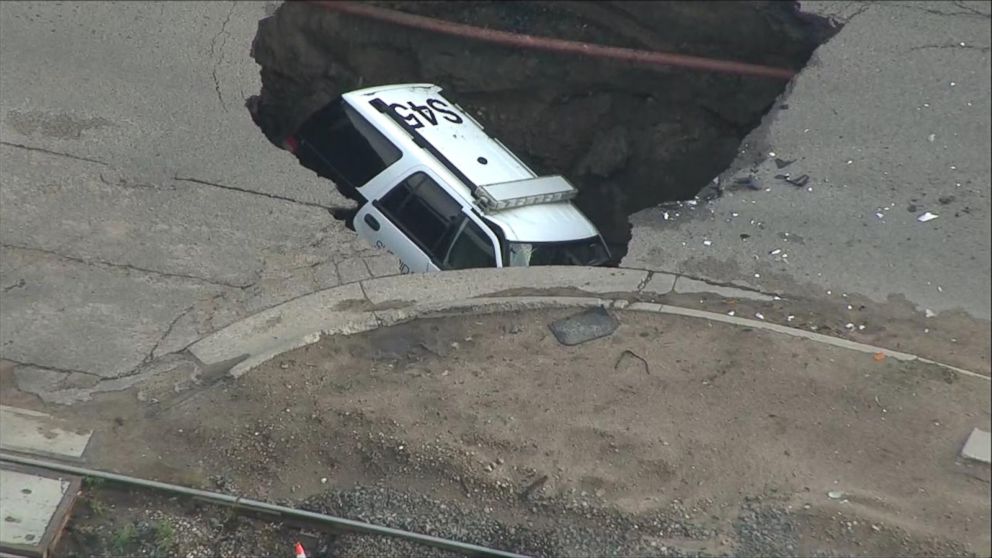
column 520, row 193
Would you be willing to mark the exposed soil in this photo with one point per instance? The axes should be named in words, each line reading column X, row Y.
column 627, row 136
column 670, row 437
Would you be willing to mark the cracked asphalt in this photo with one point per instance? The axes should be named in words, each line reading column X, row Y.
column 140, row 207
column 890, row 119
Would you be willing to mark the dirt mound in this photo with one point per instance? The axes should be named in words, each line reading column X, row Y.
column 629, row 137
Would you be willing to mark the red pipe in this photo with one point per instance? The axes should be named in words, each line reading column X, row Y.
column 554, row 45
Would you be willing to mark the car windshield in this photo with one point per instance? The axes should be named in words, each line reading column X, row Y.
column 588, row 251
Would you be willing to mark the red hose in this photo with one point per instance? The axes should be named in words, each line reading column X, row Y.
column 554, row 45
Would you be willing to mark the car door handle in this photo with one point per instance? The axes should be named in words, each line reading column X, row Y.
column 372, row 222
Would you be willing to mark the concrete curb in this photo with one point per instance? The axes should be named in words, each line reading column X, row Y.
column 366, row 305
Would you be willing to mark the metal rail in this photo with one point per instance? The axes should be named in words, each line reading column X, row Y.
column 532, row 42
column 258, row 506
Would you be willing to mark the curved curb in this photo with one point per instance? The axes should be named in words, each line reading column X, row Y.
column 367, row 305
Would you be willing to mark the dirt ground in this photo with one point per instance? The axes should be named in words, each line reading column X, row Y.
column 672, row 436
column 628, row 137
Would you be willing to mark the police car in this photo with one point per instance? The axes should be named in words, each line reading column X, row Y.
column 435, row 190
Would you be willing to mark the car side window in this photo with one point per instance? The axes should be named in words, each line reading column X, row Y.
column 424, row 211
column 340, row 144
column 471, row 248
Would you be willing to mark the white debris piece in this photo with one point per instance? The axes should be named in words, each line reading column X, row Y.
column 931, row 137
column 835, row 494
column 759, row 315
column 978, row 446
column 849, row 325
column 707, row 243
column 789, row 318
column 879, row 215
column 731, row 313
column 926, row 217
column 776, row 251
column 930, row 313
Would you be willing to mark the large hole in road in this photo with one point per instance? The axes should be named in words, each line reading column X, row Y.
column 629, row 137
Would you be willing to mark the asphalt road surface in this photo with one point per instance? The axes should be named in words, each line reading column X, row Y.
column 140, row 207
column 889, row 120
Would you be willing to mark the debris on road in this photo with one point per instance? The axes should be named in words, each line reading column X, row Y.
column 978, row 446
column 835, row 494
column 749, row 182
column 628, row 353
column 798, row 182
column 585, row 326
column 927, row 216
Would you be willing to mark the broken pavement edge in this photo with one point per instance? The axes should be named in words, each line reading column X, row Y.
column 381, row 302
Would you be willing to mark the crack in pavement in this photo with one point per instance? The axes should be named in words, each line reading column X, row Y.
column 56, row 153
column 168, row 331
column 644, row 282
column 968, row 11
column 247, row 191
column 219, row 59
column 17, row 284
column 378, row 320
column 53, row 368
column 126, row 266
column 967, row 8
column 836, row 16
column 959, row 46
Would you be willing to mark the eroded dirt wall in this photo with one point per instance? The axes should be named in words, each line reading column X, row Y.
column 629, row 137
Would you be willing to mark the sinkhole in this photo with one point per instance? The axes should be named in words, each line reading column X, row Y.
column 628, row 136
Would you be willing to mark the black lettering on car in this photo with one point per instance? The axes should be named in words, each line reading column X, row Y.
column 441, row 106
column 410, row 119
column 427, row 113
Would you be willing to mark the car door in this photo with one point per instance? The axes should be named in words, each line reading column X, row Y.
column 415, row 220
column 378, row 230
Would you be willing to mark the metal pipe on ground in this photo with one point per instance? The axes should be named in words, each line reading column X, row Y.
column 505, row 38
column 264, row 507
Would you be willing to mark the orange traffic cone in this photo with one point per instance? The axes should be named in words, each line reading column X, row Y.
column 298, row 549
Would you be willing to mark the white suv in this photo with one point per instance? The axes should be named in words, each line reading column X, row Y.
column 435, row 190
